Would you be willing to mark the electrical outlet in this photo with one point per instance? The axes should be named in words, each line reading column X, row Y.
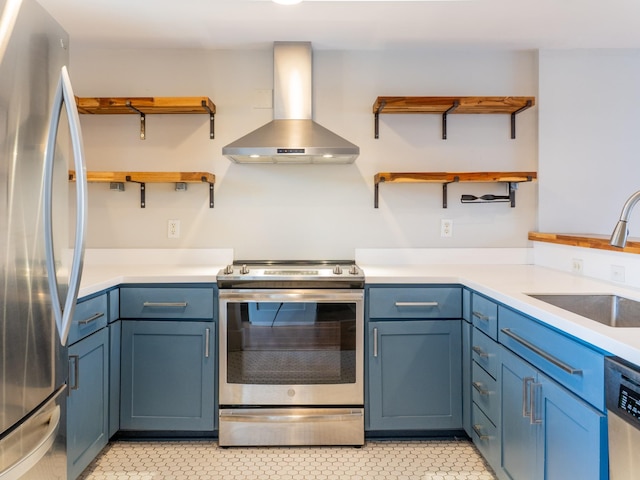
column 617, row 273
column 577, row 266
column 446, row 228
column 173, row 229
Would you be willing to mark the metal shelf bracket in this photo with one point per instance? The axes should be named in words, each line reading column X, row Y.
column 513, row 118
column 143, row 188
column 449, row 110
column 444, row 191
column 376, row 117
column 211, row 120
column 143, row 119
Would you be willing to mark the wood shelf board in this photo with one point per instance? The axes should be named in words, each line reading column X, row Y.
column 449, row 177
column 600, row 242
column 146, row 105
column 487, row 105
column 147, row 177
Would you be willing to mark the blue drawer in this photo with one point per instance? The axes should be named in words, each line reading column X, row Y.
column 166, row 302
column 485, row 352
column 485, row 436
column 484, row 391
column 484, row 314
column 415, row 302
column 89, row 316
column 114, row 305
column 570, row 362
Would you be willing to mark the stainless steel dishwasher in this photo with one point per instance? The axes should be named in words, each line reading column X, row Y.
column 622, row 384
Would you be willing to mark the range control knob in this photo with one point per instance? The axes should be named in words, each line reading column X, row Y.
column 353, row 270
column 228, row 270
column 337, row 270
column 244, row 269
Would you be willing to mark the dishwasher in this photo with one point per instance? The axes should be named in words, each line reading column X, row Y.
column 622, row 384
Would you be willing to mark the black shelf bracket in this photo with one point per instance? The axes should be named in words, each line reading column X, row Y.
column 211, row 120
column 143, row 188
column 376, row 116
column 143, row 119
column 449, row 110
column 376, row 193
column 444, row 190
column 513, row 118
column 204, row 179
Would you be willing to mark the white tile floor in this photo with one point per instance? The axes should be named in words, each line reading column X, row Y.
column 384, row 460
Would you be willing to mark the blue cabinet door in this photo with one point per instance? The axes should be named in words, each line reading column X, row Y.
column 167, row 375
column 87, row 401
column 115, row 330
column 573, row 441
column 415, row 375
column 518, row 433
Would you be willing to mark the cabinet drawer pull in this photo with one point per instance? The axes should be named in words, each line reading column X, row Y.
column 76, row 371
column 375, row 342
column 547, row 356
column 478, row 386
column 165, row 304
column 416, row 304
column 92, row 318
column 480, row 352
column 478, row 430
column 207, row 333
column 535, row 388
column 526, row 397
column 480, row 316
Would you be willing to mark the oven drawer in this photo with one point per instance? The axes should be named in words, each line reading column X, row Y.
column 415, row 302
column 167, row 302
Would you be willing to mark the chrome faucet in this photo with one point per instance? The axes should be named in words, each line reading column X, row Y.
column 620, row 233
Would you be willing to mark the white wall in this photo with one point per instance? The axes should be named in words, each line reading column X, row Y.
column 308, row 211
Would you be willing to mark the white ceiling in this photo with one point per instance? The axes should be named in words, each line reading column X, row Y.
column 351, row 25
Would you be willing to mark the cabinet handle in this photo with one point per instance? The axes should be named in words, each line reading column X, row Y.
column 92, row 318
column 76, row 371
column 207, row 332
column 480, row 352
column 533, row 420
column 416, row 304
column 478, row 386
column 375, row 342
column 526, row 396
column 165, row 304
column 480, row 316
column 547, row 356
column 478, row 430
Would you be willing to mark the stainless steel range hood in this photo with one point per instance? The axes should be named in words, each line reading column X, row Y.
column 292, row 136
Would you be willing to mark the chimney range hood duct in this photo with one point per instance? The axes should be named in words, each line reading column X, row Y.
column 292, row 136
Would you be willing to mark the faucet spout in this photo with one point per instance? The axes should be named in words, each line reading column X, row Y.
column 620, row 232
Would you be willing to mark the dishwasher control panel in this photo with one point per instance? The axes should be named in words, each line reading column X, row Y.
column 629, row 401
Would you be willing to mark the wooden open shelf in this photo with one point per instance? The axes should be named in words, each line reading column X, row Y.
column 148, row 105
column 600, row 242
column 118, row 179
column 452, row 105
column 446, row 178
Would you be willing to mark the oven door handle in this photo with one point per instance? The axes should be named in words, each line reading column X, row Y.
column 247, row 417
column 416, row 304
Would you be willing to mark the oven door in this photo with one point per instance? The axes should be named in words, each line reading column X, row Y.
column 291, row 347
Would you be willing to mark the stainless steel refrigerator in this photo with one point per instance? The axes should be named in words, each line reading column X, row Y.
column 41, row 247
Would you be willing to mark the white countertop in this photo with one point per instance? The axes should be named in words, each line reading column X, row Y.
column 507, row 284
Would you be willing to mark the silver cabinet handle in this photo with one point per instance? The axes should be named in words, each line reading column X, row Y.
column 375, row 342
column 207, row 333
column 92, row 318
column 258, row 417
column 64, row 96
column 480, row 352
column 526, row 396
column 478, row 430
column 480, row 316
column 165, row 304
column 533, row 420
column 480, row 389
column 416, row 304
column 76, row 371
column 547, row 356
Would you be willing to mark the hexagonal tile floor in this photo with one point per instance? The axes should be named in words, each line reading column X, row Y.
column 389, row 460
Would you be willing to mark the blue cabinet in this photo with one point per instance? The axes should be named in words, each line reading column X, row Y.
column 415, row 375
column 168, row 375
column 547, row 432
column 87, row 401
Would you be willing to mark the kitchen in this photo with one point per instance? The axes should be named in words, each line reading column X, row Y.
column 580, row 149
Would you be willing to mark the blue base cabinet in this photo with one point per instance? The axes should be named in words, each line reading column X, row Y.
column 414, row 376
column 167, row 375
column 87, row 402
column 547, row 432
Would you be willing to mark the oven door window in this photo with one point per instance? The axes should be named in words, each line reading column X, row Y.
column 291, row 343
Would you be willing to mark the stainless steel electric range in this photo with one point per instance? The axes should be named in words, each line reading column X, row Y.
column 291, row 353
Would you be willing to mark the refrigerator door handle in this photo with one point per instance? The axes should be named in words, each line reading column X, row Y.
column 64, row 97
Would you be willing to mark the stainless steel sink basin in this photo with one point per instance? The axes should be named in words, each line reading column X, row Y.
column 610, row 310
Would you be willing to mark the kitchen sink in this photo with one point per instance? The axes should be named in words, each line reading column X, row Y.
column 611, row 310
